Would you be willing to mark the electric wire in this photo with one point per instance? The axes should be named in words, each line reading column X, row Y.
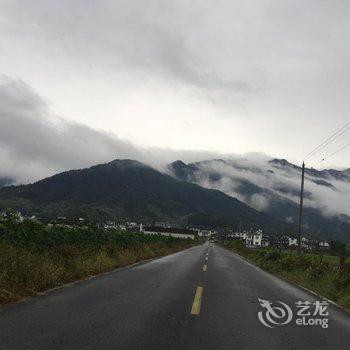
column 332, row 154
column 327, row 141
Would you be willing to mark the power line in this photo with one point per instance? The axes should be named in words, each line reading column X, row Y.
column 316, row 150
column 331, row 138
column 327, row 141
column 332, row 154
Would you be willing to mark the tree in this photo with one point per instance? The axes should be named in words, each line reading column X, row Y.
column 339, row 248
column 12, row 215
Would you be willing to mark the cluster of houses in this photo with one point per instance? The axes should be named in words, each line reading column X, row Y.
column 258, row 239
column 157, row 228
column 160, row 228
column 62, row 220
column 170, row 231
column 285, row 242
column 167, row 229
column 126, row 226
column 252, row 239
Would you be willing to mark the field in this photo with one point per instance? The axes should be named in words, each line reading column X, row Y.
column 35, row 257
column 316, row 257
column 324, row 274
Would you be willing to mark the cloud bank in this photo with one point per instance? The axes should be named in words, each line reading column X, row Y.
column 197, row 74
column 274, row 183
column 35, row 143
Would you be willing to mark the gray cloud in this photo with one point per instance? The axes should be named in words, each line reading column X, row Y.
column 34, row 143
column 276, row 72
column 163, row 38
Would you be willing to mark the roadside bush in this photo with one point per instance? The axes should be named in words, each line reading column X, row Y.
column 35, row 257
column 317, row 270
column 288, row 262
column 23, row 272
column 341, row 280
column 238, row 246
column 272, row 255
column 344, row 299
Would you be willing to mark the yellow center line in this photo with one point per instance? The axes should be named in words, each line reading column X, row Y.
column 196, row 306
column 205, row 267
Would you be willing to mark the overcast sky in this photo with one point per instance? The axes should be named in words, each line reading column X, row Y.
column 219, row 76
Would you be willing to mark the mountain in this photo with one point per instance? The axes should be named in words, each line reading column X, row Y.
column 6, row 181
column 273, row 186
column 129, row 190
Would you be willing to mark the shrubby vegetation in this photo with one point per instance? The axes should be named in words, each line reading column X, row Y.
column 328, row 275
column 35, row 257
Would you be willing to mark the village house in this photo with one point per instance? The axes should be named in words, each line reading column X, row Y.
column 110, row 225
column 282, row 242
column 240, row 235
column 172, row 232
column 249, row 239
column 292, row 242
column 305, row 243
column 204, row 233
column 162, row 224
column 265, row 241
column 323, row 244
column 256, row 239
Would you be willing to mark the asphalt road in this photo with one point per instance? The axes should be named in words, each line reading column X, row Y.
column 158, row 305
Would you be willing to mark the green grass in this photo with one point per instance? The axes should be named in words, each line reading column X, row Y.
column 332, row 259
column 35, row 257
column 323, row 277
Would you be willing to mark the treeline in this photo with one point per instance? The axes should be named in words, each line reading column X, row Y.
column 35, row 257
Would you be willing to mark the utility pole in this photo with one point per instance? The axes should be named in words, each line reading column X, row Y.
column 301, row 207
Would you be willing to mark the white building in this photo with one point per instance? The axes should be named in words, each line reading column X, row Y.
column 323, row 244
column 249, row 238
column 265, row 241
column 305, row 243
column 292, row 242
column 240, row 235
column 204, row 233
column 20, row 218
column 172, row 232
column 256, row 239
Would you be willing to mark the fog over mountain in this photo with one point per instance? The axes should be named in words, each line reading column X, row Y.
column 36, row 143
column 257, row 180
column 273, row 186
